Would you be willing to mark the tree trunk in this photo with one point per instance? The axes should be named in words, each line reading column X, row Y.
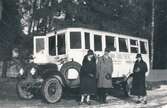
column 152, row 33
column 32, row 18
column 4, row 69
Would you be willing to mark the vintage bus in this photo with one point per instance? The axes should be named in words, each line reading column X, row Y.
column 73, row 43
column 66, row 48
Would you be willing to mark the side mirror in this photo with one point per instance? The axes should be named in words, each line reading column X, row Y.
column 55, row 32
column 31, row 57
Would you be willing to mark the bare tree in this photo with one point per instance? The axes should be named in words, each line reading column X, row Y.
column 152, row 33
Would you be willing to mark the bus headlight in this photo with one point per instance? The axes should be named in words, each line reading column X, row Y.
column 21, row 72
column 32, row 71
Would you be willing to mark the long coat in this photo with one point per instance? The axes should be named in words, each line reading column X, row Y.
column 104, row 72
column 88, row 76
column 138, row 83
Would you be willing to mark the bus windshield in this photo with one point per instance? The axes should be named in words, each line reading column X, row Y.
column 52, row 45
column 39, row 44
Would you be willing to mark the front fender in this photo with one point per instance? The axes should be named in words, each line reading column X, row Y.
column 60, row 79
column 56, row 74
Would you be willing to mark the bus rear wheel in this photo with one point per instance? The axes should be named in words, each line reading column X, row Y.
column 52, row 90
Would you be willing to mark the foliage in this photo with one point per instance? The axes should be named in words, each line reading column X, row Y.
column 160, row 56
column 10, row 28
column 37, row 15
column 121, row 16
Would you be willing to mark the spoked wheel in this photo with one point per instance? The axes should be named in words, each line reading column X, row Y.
column 128, row 86
column 52, row 90
column 23, row 90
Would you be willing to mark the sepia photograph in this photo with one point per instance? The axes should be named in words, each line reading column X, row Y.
column 83, row 54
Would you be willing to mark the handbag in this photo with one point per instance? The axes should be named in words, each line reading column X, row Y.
column 108, row 76
column 91, row 75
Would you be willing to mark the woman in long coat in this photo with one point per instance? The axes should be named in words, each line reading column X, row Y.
column 88, row 77
column 138, row 83
column 104, row 75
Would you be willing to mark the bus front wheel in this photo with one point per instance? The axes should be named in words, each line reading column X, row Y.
column 52, row 90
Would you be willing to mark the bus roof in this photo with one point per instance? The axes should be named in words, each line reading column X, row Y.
column 97, row 31
column 101, row 31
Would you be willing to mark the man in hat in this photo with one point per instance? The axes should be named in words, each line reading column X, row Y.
column 138, row 83
column 104, row 75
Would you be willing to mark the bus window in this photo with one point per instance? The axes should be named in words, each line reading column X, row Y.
column 75, row 40
column 52, row 45
column 97, row 43
column 123, row 45
column 134, row 50
column 134, row 46
column 39, row 44
column 61, row 44
column 133, row 42
column 110, row 43
column 143, row 47
column 87, row 40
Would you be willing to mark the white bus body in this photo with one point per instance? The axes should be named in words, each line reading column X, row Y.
column 73, row 43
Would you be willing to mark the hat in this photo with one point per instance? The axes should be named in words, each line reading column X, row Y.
column 138, row 55
column 90, row 52
column 107, row 50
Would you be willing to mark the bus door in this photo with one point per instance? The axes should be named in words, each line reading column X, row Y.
column 61, row 44
column 51, row 48
column 122, row 58
column 86, row 42
column 75, row 46
column 57, row 48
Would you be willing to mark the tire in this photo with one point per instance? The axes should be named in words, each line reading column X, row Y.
column 23, row 90
column 72, row 83
column 128, row 86
column 52, row 90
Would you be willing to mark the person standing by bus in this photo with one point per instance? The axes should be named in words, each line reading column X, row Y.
column 138, row 83
column 88, row 77
column 104, row 75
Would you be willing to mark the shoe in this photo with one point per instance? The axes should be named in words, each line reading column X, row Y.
column 145, row 102
column 88, row 102
column 81, row 103
column 137, row 102
column 103, row 102
column 100, row 101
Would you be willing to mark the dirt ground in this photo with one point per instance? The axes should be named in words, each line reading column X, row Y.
column 157, row 98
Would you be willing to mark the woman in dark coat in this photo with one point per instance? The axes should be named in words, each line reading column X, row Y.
column 138, row 83
column 88, row 77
